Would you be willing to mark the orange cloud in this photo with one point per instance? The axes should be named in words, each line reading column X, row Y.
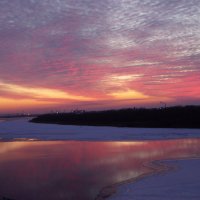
column 9, row 104
column 40, row 93
column 129, row 94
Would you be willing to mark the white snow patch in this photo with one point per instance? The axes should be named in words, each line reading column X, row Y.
column 22, row 128
column 181, row 184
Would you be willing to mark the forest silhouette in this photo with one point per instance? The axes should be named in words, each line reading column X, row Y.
column 166, row 117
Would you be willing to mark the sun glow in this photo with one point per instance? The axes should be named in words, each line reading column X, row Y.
column 12, row 104
column 129, row 94
column 41, row 93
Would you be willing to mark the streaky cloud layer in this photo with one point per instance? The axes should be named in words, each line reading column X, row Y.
column 98, row 54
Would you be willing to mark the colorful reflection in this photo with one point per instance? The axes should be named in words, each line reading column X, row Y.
column 74, row 170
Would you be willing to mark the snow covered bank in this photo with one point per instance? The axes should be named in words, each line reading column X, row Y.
column 180, row 184
column 22, row 129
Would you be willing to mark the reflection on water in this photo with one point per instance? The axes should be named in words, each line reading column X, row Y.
column 2, row 120
column 57, row 170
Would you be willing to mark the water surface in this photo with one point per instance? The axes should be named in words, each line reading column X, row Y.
column 62, row 170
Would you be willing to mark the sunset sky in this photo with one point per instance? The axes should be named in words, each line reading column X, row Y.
column 98, row 54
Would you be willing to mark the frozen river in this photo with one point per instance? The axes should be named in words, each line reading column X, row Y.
column 84, row 163
column 16, row 129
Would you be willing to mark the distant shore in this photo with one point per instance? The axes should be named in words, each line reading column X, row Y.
column 170, row 117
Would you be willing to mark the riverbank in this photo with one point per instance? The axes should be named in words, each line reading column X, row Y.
column 156, row 167
column 22, row 129
column 180, row 182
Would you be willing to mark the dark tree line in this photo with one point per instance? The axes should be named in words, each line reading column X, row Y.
column 176, row 117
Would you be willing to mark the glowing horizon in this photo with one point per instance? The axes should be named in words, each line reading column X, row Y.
column 64, row 55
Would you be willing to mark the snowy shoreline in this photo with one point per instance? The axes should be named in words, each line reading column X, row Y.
column 177, row 179
column 21, row 129
column 156, row 167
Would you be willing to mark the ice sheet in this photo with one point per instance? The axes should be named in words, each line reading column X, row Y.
column 22, row 128
column 180, row 184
